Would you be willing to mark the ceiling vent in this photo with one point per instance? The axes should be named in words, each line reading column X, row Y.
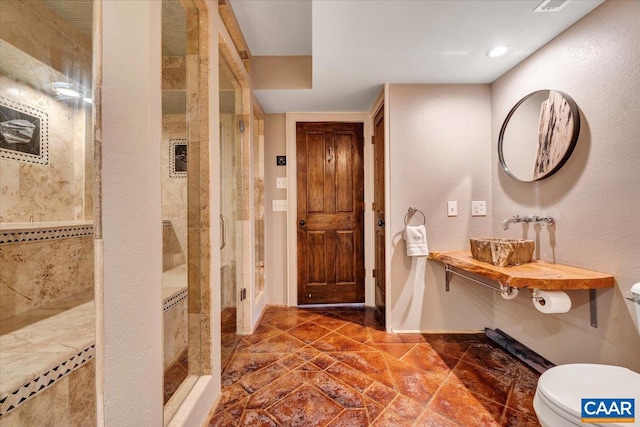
column 551, row 6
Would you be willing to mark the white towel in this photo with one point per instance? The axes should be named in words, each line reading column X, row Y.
column 416, row 238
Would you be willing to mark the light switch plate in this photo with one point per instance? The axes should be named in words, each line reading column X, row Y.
column 452, row 208
column 478, row 208
column 278, row 205
column 281, row 182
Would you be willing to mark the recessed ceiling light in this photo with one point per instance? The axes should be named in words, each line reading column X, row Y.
column 66, row 89
column 497, row 51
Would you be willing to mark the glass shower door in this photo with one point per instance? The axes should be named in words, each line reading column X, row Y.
column 231, row 223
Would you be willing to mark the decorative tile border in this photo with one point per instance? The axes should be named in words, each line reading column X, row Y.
column 12, row 400
column 175, row 299
column 178, row 158
column 39, row 234
column 39, row 145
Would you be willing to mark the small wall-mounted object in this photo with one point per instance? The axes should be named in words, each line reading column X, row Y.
column 281, row 160
column 178, row 158
column 536, row 219
column 452, row 208
column 24, row 133
column 281, row 182
column 278, row 205
column 538, row 135
column 479, row 208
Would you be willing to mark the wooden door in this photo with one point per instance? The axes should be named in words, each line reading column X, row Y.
column 330, row 189
column 378, row 210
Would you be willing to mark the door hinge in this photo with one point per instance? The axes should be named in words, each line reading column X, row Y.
column 243, row 294
column 374, row 273
column 373, row 139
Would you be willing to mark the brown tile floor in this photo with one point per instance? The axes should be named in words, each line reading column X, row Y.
column 335, row 368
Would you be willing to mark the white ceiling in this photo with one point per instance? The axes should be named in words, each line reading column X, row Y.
column 358, row 45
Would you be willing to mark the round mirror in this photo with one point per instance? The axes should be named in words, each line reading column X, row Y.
column 538, row 135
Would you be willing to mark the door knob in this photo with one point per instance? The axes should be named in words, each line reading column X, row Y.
column 380, row 222
column 302, row 223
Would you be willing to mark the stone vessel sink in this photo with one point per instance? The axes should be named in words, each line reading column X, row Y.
column 502, row 252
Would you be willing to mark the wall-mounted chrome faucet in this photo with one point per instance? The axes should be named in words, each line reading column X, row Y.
column 536, row 219
column 547, row 220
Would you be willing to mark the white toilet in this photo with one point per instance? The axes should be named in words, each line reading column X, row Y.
column 560, row 390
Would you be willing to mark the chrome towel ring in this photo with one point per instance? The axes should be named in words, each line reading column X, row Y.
column 412, row 210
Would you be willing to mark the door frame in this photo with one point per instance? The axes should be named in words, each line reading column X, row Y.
column 291, row 288
column 383, row 102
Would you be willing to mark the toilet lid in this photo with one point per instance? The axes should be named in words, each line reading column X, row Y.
column 563, row 387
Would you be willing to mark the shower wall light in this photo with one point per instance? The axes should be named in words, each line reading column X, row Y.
column 66, row 90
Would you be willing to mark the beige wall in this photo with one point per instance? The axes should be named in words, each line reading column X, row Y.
column 439, row 151
column 440, row 137
column 595, row 197
column 281, row 72
column 275, row 222
column 129, row 320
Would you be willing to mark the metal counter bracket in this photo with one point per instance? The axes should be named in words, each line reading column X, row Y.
column 593, row 308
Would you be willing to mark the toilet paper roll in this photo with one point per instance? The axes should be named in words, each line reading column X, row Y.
column 551, row 301
column 508, row 295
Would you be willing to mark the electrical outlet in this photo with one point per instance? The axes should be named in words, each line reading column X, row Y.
column 278, row 205
column 478, row 208
column 452, row 208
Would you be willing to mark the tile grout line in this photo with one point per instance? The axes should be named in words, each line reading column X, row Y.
column 504, row 410
column 444, row 381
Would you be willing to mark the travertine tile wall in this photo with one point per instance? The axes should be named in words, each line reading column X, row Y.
column 174, row 188
column 36, row 274
column 174, row 193
column 58, row 191
column 69, row 402
column 199, row 190
column 175, row 332
column 55, row 43
column 53, row 192
column 258, row 200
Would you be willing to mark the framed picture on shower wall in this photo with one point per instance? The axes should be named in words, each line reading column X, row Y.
column 24, row 133
column 178, row 158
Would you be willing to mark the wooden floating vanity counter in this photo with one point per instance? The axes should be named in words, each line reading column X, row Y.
column 534, row 275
